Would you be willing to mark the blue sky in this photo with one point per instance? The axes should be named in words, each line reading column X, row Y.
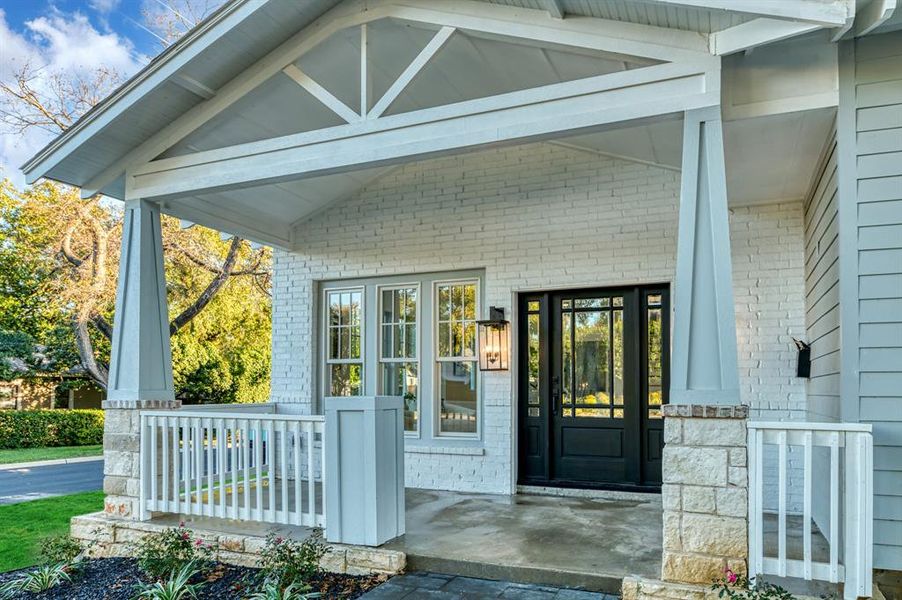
column 75, row 38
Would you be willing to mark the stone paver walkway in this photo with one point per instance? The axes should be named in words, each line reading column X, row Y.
column 450, row 587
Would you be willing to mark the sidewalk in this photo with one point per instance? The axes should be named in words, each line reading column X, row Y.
column 451, row 587
column 47, row 463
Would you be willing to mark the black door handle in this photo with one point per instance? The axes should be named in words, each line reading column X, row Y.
column 555, row 394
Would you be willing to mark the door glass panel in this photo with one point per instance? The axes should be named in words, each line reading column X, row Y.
column 591, row 360
column 566, row 362
column 655, row 350
column 618, row 363
column 533, row 360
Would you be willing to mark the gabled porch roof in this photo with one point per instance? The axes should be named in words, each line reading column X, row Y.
column 273, row 109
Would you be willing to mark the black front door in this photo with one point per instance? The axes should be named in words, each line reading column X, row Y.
column 593, row 370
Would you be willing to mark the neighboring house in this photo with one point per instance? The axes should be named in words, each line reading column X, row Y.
column 33, row 391
column 661, row 195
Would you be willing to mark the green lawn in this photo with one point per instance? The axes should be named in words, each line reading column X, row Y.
column 24, row 525
column 31, row 454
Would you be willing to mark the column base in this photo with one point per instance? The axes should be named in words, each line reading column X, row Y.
column 705, row 493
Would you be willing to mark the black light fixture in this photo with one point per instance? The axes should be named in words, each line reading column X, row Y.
column 803, row 366
column 494, row 341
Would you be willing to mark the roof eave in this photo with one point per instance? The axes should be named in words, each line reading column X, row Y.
column 35, row 167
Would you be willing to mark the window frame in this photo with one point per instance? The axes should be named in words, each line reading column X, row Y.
column 437, row 360
column 380, row 360
column 326, row 360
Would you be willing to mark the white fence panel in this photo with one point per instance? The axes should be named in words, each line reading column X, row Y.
column 844, row 542
column 233, row 464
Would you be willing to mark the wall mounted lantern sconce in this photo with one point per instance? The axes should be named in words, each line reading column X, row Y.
column 494, row 341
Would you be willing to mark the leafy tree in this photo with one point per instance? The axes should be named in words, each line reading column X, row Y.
column 59, row 254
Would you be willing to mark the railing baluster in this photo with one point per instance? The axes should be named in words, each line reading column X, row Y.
column 198, row 504
column 806, row 506
column 166, row 467
column 176, row 463
column 283, row 475
column 233, row 470
column 781, row 502
column 834, row 507
column 246, row 470
column 186, row 462
column 258, row 466
column 311, row 482
column 271, row 468
column 221, row 456
column 298, row 501
column 320, row 427
column 759, row 501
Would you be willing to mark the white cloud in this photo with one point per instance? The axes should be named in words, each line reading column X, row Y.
column 55, row 43
column 103, row 6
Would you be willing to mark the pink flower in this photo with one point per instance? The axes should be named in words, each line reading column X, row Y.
column 181, row 524
column 186, row 536
column 731, row 576
column 199, row 543
column 279, row 540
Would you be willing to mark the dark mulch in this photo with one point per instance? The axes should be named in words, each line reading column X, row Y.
column 117, row 579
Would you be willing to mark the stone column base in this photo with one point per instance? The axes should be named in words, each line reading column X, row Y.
column 705, row 493
column 121, row 454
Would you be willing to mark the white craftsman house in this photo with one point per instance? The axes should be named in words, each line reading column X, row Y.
column 660, row 196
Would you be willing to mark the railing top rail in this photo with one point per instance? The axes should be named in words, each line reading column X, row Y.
column 261, row 416
column 250, row 407
column 811, row 426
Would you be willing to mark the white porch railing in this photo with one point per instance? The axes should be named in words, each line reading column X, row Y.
column 838, row 459
column 235, row 462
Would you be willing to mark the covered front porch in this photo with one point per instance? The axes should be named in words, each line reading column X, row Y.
column 415, row 165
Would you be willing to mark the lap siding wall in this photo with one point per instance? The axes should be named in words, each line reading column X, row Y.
column 534, row 216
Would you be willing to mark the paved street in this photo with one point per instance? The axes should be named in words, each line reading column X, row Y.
column 19, row 485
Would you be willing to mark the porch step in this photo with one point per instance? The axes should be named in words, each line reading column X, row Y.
column 595, row 582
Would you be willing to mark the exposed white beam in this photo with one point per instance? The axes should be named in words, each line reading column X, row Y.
column 573, row 107
column 416, row 65
column 755, row 33
column 225, row 236
column 193, row 86
column 594, row 34
column 185, row 224
column 322, row 94
column 828, row 13
column 554, row 8
column 364, row 71
column 874, row 15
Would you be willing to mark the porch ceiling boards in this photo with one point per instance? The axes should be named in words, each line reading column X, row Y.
column 259, row 72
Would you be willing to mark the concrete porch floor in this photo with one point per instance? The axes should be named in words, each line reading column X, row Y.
column 572, row 542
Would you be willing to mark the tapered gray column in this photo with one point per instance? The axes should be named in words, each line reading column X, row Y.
column 704, row 365
column 141, row 360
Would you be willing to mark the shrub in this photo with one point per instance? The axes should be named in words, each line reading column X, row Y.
column 176, row 587
column 738, row 587
column 48, row 428
column 41, row 579
column 287, row 562
column 162, row 554
column 272, row 591
column 58, row 549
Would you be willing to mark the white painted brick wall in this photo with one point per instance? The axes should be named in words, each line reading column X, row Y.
column 533, row 216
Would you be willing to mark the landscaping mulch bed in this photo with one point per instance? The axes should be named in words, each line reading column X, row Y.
column 117, row 579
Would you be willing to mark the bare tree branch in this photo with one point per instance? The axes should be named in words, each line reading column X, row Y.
column 207, row 295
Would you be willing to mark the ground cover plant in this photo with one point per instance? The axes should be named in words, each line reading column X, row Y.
column 733, row 586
